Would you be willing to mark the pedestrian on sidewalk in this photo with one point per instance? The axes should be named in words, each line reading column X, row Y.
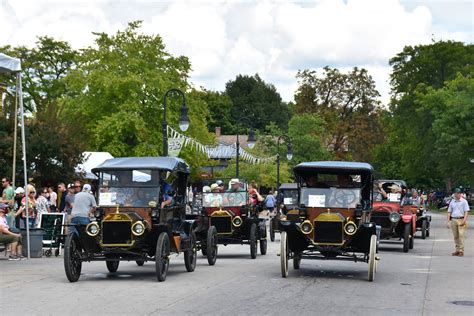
column 53, row 200
column 82, row 208
column 457, row 218
column 42, row 206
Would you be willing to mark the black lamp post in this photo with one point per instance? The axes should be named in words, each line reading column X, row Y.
column 183, row 118
column 289, row 155
column 251, row 140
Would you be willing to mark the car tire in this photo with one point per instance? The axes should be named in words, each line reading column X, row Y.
column 412, row 241
column 428, row 230
column 162, row 260
column 423, row 229
column 112, row 266
column 211, row 246
column 253, row 241
column 140, row 262
column 297, row 261
column 272, row 229
column 284, row 254
column 263, row 246
column 191, row 254
column 372, row 262
column 406, row 237
column 72, row 258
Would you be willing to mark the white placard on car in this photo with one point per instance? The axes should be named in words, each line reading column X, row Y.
column 288, row 200
column 394, row 197
column 108, row 198
column 316, row 200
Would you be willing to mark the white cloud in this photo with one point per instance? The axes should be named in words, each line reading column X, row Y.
column 226, row 38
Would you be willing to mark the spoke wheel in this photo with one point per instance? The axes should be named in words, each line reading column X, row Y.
column 211, row 245
column 406, row 237
column 162, row 260
column 112, row 266
column 272, row 229
column 372, row 262
column 72, row 258
column 253, row 241
column 191, row 255
column 284, row 254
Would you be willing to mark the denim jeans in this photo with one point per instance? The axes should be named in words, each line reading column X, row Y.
column 78, row 220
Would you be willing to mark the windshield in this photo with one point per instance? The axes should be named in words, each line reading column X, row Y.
column 132, row 188
column 226, row 199
column 290, row 197
column 387, row 191
column 330, row 197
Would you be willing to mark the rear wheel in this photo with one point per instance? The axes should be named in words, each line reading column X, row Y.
column 428, row 229
column 284, row 254
column 272, row 229
column 296, row 261
column 211, row 245
column 263, row 246
column 406, row 237
column 191, row 254
column 140, row 263
column 112, row 266
column 423, row 229
column 162, row 260
column 72, row 258
column 253, row 241
column 372, row 262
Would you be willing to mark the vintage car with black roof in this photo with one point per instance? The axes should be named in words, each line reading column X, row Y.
column 332, row 220
column 396, row 222
column 229, row 217
column 130, row 223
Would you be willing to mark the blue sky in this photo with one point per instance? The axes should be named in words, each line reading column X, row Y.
column 272, row 38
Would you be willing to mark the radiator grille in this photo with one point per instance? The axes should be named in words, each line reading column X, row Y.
column 222, row 224
column 116, row 233
column 381, row 219
column 328, row 232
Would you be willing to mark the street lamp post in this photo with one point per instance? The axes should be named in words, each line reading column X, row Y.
column 183, row 118
column 250, row 142
column 289, row 155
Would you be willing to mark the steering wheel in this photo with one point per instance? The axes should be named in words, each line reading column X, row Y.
column 345, row 197
column 237, row 199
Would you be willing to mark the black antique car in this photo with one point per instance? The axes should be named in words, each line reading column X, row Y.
column 129, row 223
column 287, row 200
column 229, row 217
column 332, row 220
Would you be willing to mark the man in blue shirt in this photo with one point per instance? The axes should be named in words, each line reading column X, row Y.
column 166, row 189
column 457, row 218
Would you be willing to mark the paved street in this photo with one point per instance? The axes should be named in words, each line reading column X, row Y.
column 422, row 282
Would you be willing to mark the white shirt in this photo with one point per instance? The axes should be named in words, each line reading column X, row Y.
column 457, row 208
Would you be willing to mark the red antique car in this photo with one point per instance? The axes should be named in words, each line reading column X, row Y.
column 395, row 221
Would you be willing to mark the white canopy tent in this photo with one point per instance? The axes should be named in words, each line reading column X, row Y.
column 10, row 65
column 91, row 160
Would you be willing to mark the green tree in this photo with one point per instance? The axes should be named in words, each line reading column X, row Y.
column 252, row 97
column 220, row 106
column 343, row 101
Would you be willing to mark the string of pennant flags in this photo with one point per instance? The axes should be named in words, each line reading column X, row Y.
column 176, row 141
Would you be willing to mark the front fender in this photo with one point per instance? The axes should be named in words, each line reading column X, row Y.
column 407, row 218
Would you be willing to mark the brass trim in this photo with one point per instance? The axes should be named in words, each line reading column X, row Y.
column 311, row 225
column 345, row 230
column 136, row 223
column 120, row 221
column 328, row 218
column 241, row 221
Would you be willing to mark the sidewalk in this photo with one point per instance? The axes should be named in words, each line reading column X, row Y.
column 450, row 279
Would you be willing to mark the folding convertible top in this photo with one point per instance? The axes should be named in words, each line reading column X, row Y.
column 144, row 163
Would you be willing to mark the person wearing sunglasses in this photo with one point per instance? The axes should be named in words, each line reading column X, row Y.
column 8, row 192
column 31, row 192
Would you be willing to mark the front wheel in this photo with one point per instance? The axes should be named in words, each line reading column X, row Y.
column 284, row 254
column 263, row 246
column 406, row 237
column 112, row 266
column 72, row 258
column 372, row 262
column 296, row 261
column 140, row 262
column 162, row 260
column 272, row 229
column 423, row 229
column 253, row 241
column 191, row 254
column 211, row 245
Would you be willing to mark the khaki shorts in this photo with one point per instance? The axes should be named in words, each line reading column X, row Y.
column 8, row 239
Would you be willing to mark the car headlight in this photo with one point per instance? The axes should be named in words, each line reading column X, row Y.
column 154, row 213
column 306, row 227
column 138, row 228
column 237, row 221
column 394, row 217
column 350, row 228
column 92, row 229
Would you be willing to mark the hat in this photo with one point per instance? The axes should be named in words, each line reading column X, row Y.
column 219, row 182
column 70, row 185
column 19, row 190
column 206, row 189
column 234, row 181
column 457, row 190
column 214, row 186
column 3, row 206
column 86, row 188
